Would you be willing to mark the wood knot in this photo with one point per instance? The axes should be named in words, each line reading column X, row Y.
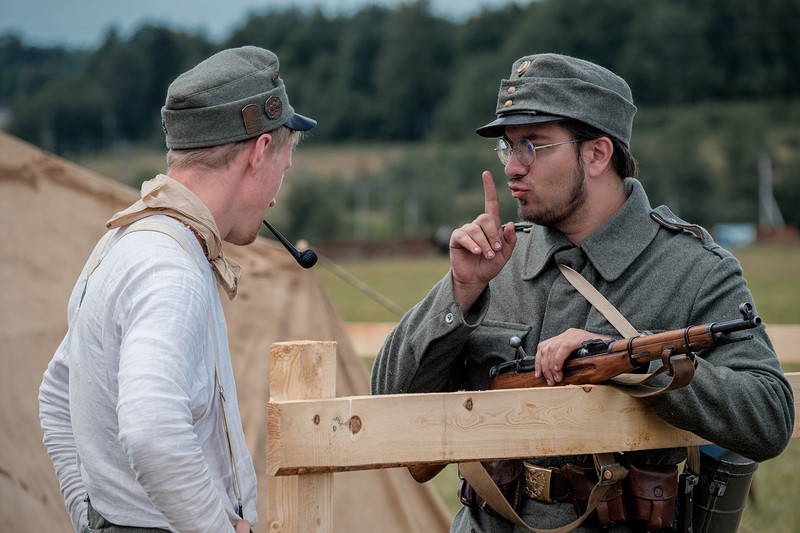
column 316, row 420
column 355, row 424
column 468, row 404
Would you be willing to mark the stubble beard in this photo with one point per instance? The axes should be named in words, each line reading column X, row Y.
column 556, row 215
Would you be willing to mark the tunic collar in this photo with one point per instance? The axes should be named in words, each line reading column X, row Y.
column 611, row 249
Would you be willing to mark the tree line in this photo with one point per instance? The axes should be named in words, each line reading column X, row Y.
column 404, row 73
column 716, row 82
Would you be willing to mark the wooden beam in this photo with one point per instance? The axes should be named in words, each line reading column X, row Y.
column 301, row 504
column 364, row 432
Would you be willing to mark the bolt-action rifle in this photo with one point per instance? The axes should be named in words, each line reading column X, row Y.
column 598, row 360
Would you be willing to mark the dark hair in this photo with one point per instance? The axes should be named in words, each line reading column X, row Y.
column 622, row 161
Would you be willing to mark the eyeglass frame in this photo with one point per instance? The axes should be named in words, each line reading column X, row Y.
column 517, row 151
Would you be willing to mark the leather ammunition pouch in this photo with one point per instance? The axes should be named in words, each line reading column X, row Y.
column 581, row 481
column 650, row 495
column 508, row 477
column 645, row 499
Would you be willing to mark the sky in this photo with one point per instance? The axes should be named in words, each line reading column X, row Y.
column 78, row 23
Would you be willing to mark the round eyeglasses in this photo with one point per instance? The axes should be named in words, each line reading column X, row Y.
column 523, row 148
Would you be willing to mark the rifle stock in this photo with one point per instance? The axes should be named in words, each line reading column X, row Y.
column 599, row 361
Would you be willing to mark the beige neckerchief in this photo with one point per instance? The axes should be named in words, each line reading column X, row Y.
column 163, row 195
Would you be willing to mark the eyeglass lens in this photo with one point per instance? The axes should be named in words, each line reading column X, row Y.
column 524, row 149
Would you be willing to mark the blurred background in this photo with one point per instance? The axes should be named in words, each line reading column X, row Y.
column 398, row 88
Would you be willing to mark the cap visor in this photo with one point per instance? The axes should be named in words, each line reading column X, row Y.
column 300, row 123
column 498, row 127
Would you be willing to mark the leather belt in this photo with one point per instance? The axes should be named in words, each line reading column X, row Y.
column 545, row 484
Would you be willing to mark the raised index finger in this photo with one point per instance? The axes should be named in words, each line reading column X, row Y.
column 490, row 204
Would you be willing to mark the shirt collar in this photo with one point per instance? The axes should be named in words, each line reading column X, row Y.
column 611, row 249
column 164, row 195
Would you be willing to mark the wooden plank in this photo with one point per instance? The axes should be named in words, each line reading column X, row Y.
column 301, row 504
column 363, row 432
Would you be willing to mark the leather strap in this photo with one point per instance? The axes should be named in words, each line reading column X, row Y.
column 599, row 302
column 632, row 384
column 693, row 458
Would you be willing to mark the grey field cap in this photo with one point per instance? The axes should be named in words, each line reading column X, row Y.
column 553, row 87
column 234, row 95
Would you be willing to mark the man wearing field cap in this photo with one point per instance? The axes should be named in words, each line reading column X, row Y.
column 139, row 405
column 563, row 134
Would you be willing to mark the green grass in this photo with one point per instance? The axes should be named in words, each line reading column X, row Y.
column 772, row 276
column 771, row 273
column 402, row 281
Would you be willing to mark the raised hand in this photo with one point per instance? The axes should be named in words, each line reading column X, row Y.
column 479, row 250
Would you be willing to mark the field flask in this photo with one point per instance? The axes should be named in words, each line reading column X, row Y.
column 721, row 493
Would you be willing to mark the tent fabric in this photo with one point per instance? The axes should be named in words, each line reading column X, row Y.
column 52, row 213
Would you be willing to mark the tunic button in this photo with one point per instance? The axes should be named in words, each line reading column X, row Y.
column 508, row 103
column 448, row 318
column 512, row 90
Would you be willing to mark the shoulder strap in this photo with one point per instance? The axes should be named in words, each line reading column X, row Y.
column 154, row 225
column 599, row 302
column 163, row 227
column 479, row 479
column 147, row 225
column 632, row 384
column 477, row 476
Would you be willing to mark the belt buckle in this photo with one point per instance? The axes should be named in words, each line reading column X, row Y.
column 537, row 482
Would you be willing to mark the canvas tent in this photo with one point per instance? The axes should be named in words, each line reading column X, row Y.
column 51, row 215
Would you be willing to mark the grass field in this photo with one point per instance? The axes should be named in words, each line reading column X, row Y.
column 772, row 273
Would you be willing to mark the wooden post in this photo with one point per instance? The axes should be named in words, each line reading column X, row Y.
column 301, row 370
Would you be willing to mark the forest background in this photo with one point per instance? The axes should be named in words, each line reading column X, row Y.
column 399, row 91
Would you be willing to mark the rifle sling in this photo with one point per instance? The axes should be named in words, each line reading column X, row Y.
column 634, row 385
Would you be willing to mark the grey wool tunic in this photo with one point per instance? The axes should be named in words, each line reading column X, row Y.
column 661, row 273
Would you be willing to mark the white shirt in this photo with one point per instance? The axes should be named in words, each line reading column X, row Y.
column 129, row 407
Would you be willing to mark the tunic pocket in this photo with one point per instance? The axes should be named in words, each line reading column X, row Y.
column 490, row 345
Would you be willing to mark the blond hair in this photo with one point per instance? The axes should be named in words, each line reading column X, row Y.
column 219, row 157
